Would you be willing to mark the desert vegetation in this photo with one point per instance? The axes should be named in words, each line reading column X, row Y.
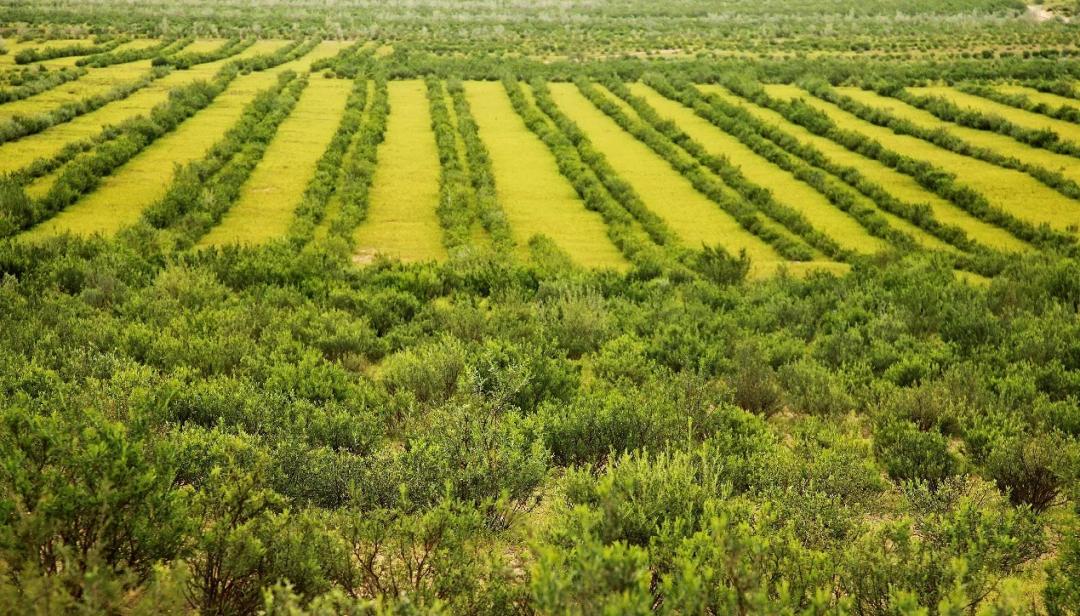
column 557, row 307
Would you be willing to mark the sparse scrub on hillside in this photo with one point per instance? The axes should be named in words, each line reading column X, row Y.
column 569, row 307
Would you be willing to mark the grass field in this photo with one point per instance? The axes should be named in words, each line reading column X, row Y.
column 788, row 190
column 901, row 186
column 536, row 198
column 1012, row 191
column 401, row 220
column 18, row 154
column 1067, row 165
column 1027, row 119
column 690, row 214
column 486, row 307
column 122, row 196
column 265, row 207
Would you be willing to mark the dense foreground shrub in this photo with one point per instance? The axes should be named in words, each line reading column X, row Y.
column 272, row 428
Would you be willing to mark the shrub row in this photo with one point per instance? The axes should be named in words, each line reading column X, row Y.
column 360, row 165
column 187, row 60
column 646, row 256
column 327, row 177
column 739, row 122
column 205, row 189
column 109, row 58
column 617, row 187
column 942, row 138
column 695, row 172
column 1046, row 139
column 132, row 136
column 347, row 63
column 1067, row 113
column 39, row 83
column 761, row 197
column 487, row 207
column 942, row 183
column 38, row 54
column 21, row 126
column 456, row 211
column 1062, row 87
column 288, row 53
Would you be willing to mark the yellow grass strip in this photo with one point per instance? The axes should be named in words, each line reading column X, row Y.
column 15, row 155
column 537, row 199
column 122, row 196
column 786, row 188
column 1013, row 191
column 1067, row 165
column 1027, row 119
column 269, row 197
column 202, row 46
column 901, row 186
column 401, row 220
column 691, row 215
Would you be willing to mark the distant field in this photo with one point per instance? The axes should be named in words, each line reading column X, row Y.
column 399, row 217
column 1013, row 191
column 18, row 154
column 552, row 307
column 123, row 196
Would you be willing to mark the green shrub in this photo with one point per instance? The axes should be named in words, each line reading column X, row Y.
column 1034, row 470
column 429, row 373
column 909, row 454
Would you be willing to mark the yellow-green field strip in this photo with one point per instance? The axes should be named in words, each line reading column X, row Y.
column 122, row 196
column 96, row 82
column 1066, row 165
column 901, row 186
column 1012, row 191
column 18, row 154
column 1052, row 101
column 1025, row 119
column 8, row 60
column 694, row 218
column 786, row 189
column 537, row 199
column 401, row 221
column 269, row 197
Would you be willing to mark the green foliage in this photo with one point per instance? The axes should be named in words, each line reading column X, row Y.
column 282, row 429
column 88, row 509
column 910, row 454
